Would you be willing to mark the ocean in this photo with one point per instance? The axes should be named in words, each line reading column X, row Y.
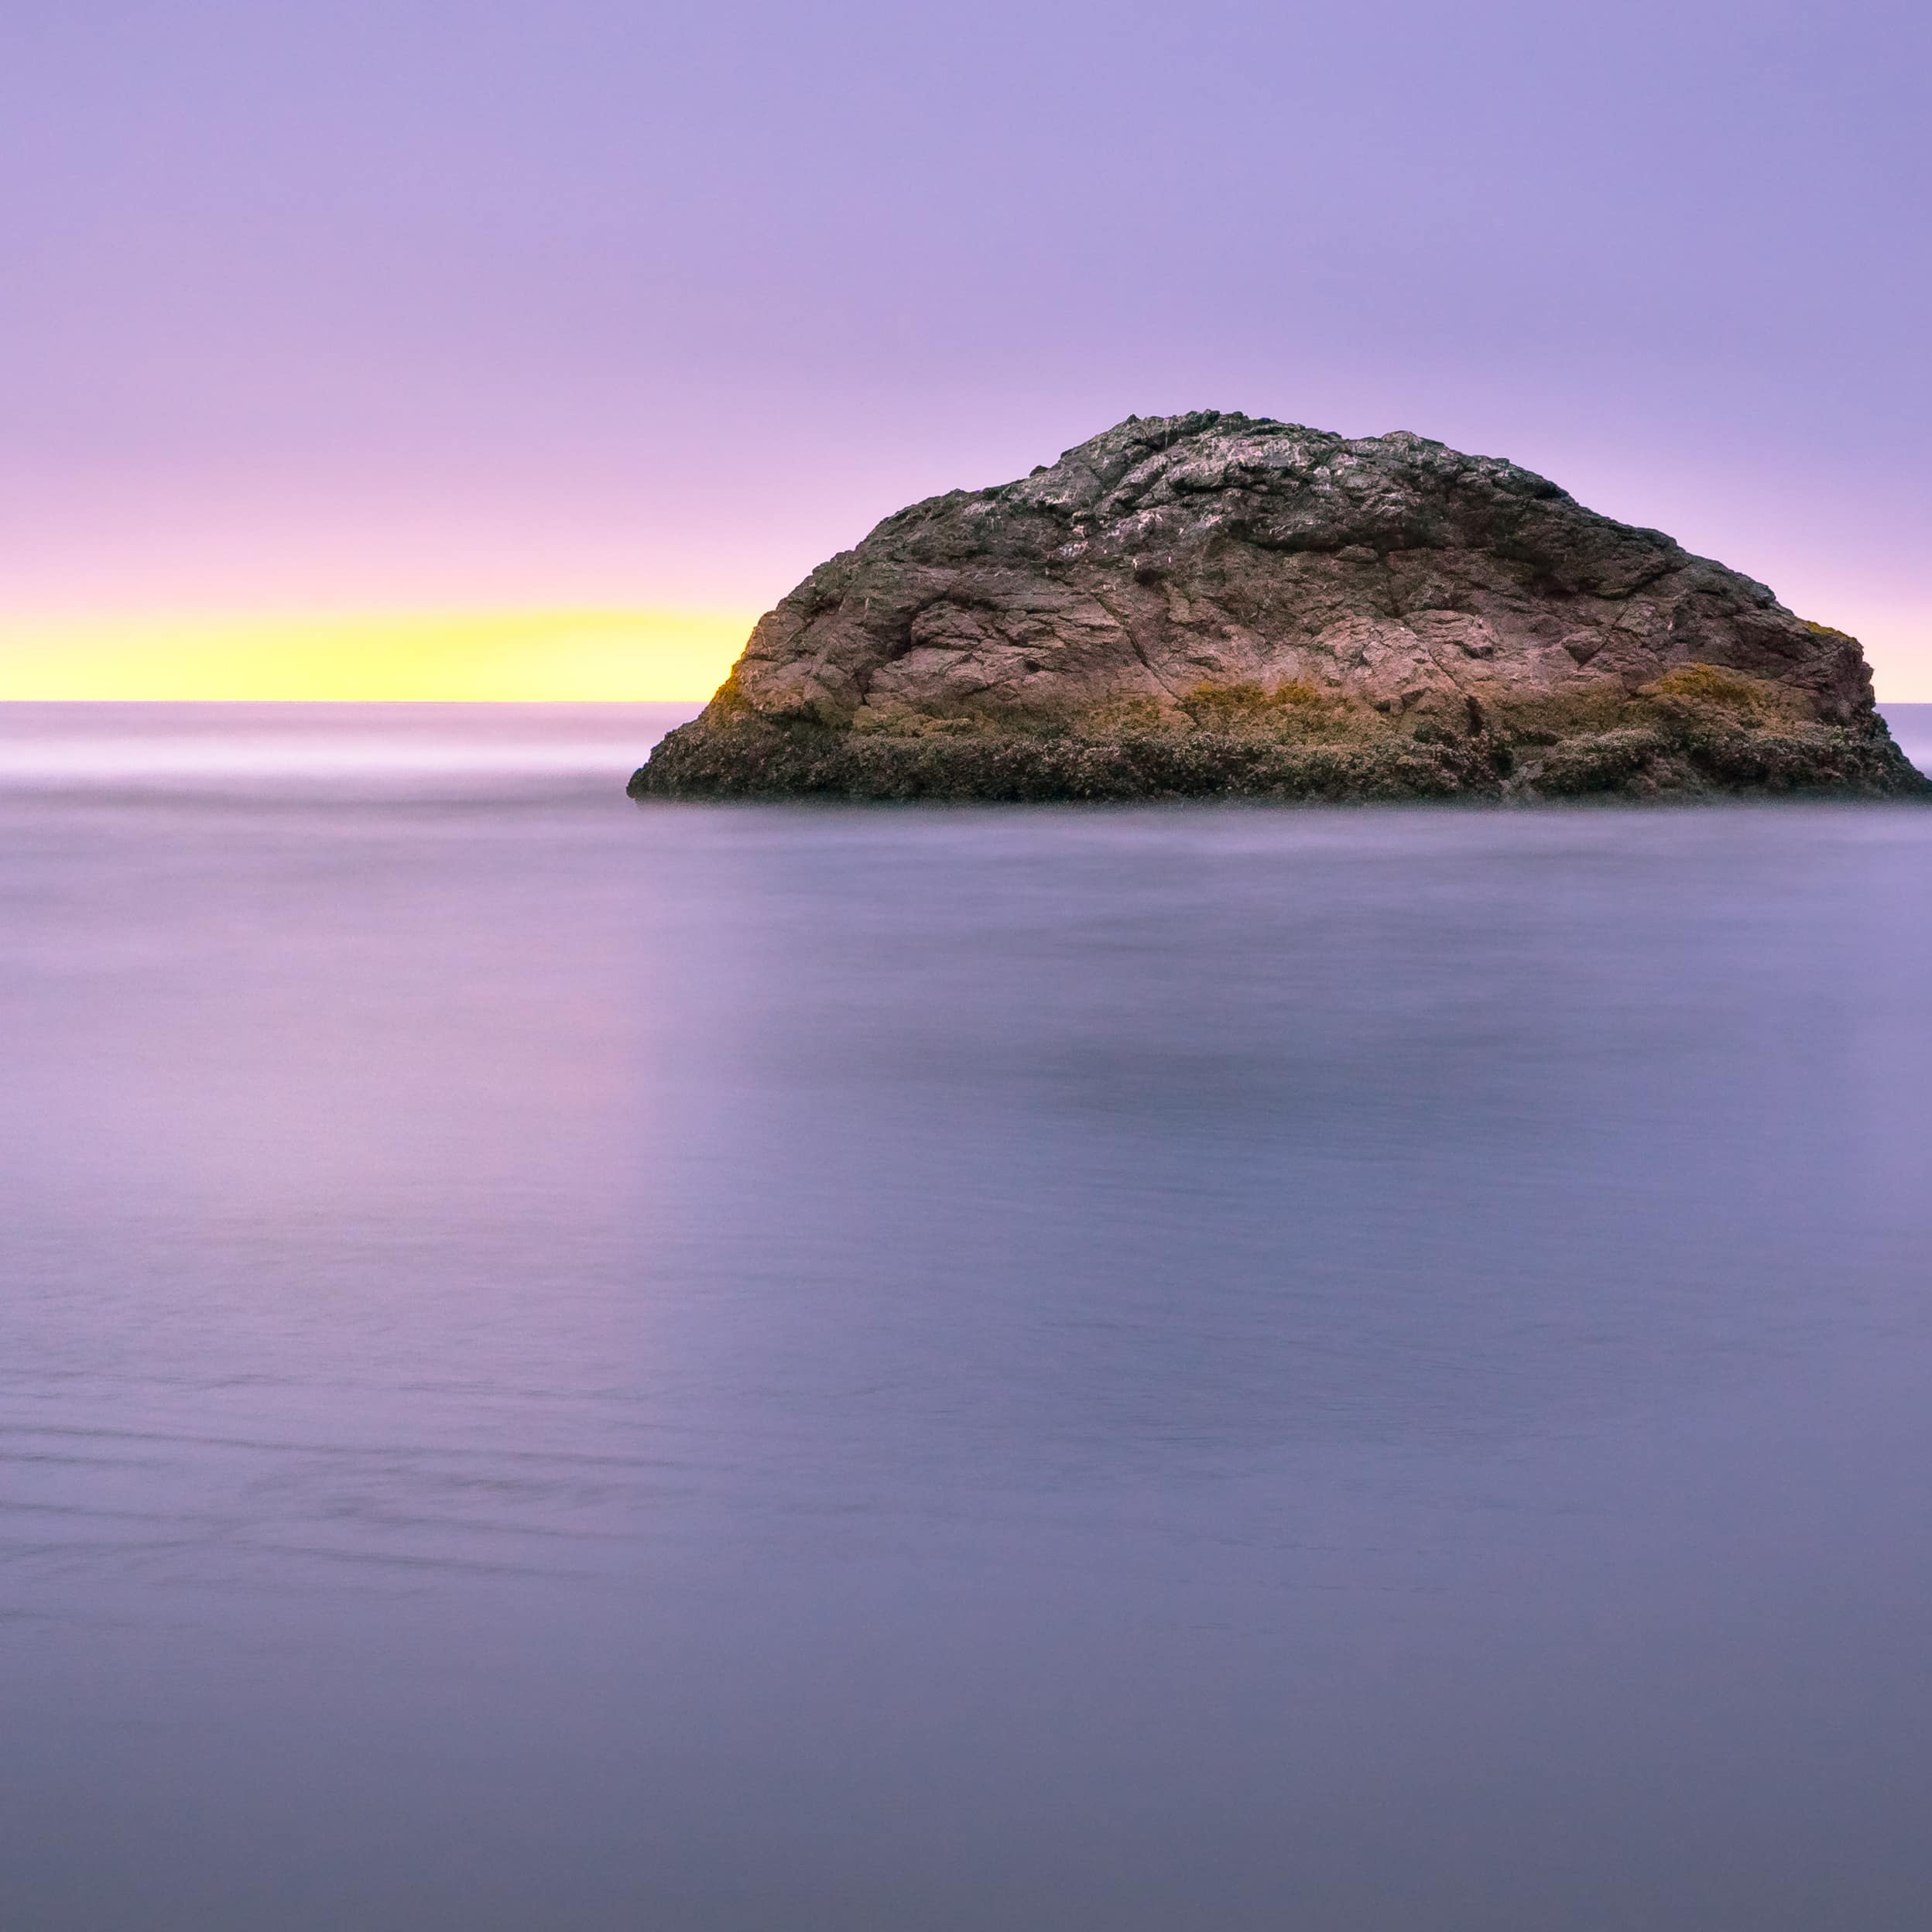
column 573, row 1364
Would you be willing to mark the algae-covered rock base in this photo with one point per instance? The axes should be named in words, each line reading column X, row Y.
column 1214, row 605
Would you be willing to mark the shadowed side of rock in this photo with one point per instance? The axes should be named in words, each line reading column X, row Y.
column 1683, row 756
column 1210, row 605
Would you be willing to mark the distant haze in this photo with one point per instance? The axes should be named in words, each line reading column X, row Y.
column 324, row 324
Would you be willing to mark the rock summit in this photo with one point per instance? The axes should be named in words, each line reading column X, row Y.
column 1221, row 605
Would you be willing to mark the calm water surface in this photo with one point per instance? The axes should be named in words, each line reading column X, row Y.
column 573, row 1366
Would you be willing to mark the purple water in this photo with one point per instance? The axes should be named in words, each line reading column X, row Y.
column 577, row 1365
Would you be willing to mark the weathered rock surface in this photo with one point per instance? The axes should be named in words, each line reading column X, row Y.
column 1215, row 604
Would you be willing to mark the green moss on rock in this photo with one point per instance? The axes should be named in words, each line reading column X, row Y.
column 1699, row 735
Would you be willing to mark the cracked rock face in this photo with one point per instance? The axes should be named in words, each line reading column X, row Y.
column 1207, row 603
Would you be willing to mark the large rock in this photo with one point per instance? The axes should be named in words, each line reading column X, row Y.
column 1216, row 604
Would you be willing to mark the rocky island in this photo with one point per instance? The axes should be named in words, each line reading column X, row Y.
column 1216, row 605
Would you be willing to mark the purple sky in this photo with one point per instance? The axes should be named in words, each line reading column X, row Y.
column 382, row 303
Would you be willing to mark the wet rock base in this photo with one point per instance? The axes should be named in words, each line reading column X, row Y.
column 1663, row 743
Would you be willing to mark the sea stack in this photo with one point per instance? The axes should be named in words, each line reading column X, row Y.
column 1215, row 605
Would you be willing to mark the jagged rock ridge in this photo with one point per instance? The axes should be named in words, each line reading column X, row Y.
column 1218, row 604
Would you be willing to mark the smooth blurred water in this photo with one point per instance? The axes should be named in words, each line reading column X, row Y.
column 572, row 1365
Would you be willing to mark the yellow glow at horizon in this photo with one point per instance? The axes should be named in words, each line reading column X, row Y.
column 581, row 656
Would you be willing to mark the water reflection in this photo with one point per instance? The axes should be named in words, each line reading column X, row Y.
column 573, row 1365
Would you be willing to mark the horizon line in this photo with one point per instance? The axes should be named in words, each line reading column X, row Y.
column 563, row 654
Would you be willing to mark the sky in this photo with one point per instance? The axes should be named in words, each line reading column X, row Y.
column 489, row 348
